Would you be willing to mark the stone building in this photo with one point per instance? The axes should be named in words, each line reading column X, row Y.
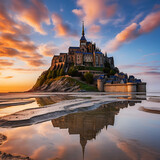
column 87, row 54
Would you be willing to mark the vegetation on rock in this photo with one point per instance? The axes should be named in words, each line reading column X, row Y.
column 88, row 77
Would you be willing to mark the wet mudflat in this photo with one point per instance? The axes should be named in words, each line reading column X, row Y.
column 90, row 126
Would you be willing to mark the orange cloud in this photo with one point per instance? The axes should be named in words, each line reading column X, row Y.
column 134, row 30
column 62, row 29
column 26, row 51
column 8, row 77
column 94, row 10
column 4, row 62
column 32, row 12
column 10, row 41
column 36, row 63
column 14, row 39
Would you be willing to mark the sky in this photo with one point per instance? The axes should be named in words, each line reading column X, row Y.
column 33, row 31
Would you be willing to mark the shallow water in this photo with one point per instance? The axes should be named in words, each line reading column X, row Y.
column 114, row 131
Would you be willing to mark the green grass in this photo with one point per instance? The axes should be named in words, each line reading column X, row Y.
column 83, row 86
column 72, row 82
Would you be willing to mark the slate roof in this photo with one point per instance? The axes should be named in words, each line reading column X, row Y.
column 74, row 47
column 87, row 53
column 98, row 52
column 79, row 52
column 83, row 38
column 109, row 81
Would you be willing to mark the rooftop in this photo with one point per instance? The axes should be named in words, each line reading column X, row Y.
column 73, row 47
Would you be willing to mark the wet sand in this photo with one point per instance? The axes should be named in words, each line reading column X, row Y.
column 150, row 110
column 83, row 114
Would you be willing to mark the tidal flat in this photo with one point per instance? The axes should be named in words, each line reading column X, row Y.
column 80, row 125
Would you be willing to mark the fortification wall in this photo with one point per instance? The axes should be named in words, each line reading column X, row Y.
column 115, row 87
column 127, row 87
column 100, row 85
column 141, row 87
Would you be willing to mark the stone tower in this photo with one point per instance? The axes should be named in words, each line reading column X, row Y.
column 83, row 39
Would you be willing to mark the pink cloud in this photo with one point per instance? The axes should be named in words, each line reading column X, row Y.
column 151, row 22
column 93, row 32
column 78, row 12
column 61, row 28
column 127, row 34
column 32, row 12
column 48, row 49
column 143, row 68
column 94, row 28
column 134, row 30
column 153, row 73
column 94, row 10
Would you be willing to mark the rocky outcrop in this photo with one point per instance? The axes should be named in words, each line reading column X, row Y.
column 60, row 84
column 2, row 138
column 8, row 156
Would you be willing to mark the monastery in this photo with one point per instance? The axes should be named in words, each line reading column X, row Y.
column 87, row 54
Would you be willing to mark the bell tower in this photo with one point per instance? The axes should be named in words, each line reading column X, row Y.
column 83, row 39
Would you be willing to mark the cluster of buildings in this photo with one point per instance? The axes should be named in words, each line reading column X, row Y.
column 120, row 82
column 87, row 54
column 122, row 78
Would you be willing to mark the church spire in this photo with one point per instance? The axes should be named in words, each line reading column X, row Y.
column 83, row 28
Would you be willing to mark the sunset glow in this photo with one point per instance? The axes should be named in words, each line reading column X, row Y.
column 32, row 31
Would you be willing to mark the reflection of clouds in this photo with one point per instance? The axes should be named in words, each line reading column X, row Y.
column 132, row 148
column 39, row 152
column 41, row 142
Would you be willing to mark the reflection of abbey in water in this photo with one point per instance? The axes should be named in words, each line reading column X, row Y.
column 89, row 124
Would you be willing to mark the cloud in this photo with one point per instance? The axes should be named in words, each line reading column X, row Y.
column 16, row 46
column 93, row 32
column 94, row 28
column 151, row 22
column 18, row 42
column 137, row 17
column 61, row 28
column 36, row 63
column 8, row 77
column 24, row 69
column 5, row 77
column 78, row 12
column 14, row 38
column 140, row 67
column 153, row 73
column 32, row 12
column 133, row 149
column 48, row 49
column 126, row 35
column 134, row 30
column 5, row 62
column 93, row 11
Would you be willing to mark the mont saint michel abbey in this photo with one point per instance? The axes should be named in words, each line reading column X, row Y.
column 87, row 54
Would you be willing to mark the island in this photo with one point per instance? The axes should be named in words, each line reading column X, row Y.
column 86, row 68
